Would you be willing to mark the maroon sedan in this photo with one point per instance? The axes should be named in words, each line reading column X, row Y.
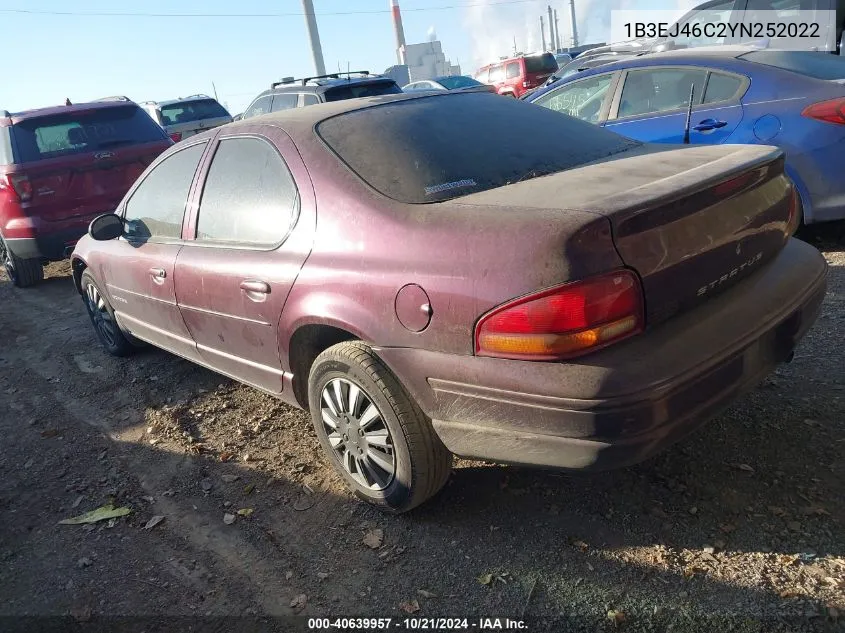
column 549, row 294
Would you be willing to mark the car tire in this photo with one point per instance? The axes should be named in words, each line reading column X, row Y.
column 363, row 443
column 108, row 332
column 23, row 273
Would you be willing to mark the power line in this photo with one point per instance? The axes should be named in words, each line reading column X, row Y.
column 113, row 14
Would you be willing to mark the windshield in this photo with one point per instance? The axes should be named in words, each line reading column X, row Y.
column 541, row 63
column 806, row 63
column 451, row 83
column 93, row 130
column 435, row 148
column 187, row 111
column 353, row 91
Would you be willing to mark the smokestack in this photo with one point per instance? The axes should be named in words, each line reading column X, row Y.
column 400, row 33
column 542, row 33
column 552, row 29
column 314, row 36
column 557, row 33
column 574, row 25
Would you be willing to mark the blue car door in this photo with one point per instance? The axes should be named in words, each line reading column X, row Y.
column 651, row 104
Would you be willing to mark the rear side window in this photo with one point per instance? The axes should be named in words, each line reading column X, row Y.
column 540, row 63
column 512, row 70
column 497, row 74
column 440, row 147
column 189, row 111
column 721, row 88
column 659, row 90
column 249, row 195
column 362, row 90
column 5, row 147
column 80, row 132
column 309, row 99
column 259, row 106
column 805, row 63
column 157, row 206
column 284, row 101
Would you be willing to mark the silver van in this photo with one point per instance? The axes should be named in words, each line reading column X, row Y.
column 187, row 116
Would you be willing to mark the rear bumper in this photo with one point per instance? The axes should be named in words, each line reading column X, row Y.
column 623, row 404
column 53, row 246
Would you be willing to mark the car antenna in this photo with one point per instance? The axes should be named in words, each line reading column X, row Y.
column 689, row 114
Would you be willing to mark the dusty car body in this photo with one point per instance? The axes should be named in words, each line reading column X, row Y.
column 581, row 302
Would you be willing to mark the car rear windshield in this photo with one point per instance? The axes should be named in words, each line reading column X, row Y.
column 459, row 81
column 353, row 91
column 188, row 111
column 43, row 137
column 818, row 66
column 541, row 63
column 437, row 148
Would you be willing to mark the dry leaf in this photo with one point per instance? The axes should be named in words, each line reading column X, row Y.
column 581, row 545
column 745, row 467
column 426, row 594
column 485, row 579
column 617, row 617
column 229, row 478
column 299, row 601
column 51, row 433
column 245, row 512
column 225, row 456
column 100, row 514
column 228, row 518
column 789, row 593
column 412, row 606
column 154, row 522
column 374, row 538
column 248, row 489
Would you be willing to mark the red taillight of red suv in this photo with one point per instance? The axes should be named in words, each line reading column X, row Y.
column 565, row 321
column 176, row 137
column 19, row 184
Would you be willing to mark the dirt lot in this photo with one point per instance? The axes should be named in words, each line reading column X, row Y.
column 740, row 528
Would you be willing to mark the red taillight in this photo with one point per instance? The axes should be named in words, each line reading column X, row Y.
column 176, row 136
column 832, row 111
column 526, row 84
column 19, row 185
column 565, row 321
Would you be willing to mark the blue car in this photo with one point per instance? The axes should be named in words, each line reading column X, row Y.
column 792, row 99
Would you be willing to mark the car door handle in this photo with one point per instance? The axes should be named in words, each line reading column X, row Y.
column 254, row 285
column 709, row 124
column 158, row 273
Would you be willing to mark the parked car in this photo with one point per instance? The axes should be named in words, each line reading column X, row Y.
column 792, row 99
column 297, row 93
column 238, row 117
column 828, row 14
column 186, row 116
column 562, row 59
column 60, row 167
column 618, row 294
column 576, row 66
column 455, row 83
column 512, row 77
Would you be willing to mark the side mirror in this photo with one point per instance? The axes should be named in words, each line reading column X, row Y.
column 106, row 227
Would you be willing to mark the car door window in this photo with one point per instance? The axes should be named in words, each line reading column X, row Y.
column 259, row 106
column 721, row 88
column 284, row 101
column 582, row 99
column 249, row 195
column 308, row 99
column 157, row 206
column 663, row 90
column 512, row 70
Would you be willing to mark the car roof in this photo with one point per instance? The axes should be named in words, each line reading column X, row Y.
column 327, row 83
column 702, row 54
column 64, row 109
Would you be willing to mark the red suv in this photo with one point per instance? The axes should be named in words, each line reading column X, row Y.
column 61, row 167
column 513, row 77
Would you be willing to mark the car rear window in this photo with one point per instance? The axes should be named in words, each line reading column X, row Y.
column 458, row 81
column 541, row 63
column 436, row 148
column 354, row 91
column 44, row 137
column 188, row 111
column 807, row 63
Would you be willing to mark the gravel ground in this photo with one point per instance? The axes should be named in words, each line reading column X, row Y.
column 739, row 528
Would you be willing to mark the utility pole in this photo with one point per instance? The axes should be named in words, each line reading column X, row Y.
column 574, row 24
column 313, row 36
column 543, row 33
column 552, row 29
column 514, row 45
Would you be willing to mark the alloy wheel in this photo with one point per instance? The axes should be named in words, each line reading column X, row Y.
column 358, row 434
column 103, row 321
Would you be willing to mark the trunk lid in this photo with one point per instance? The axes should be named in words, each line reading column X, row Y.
column 691, row 221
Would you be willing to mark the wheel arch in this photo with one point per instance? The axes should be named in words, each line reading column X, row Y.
column 78, row 266
column 308, row 341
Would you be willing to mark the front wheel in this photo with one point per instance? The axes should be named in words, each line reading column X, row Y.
column 375, row 435
column 102, row 317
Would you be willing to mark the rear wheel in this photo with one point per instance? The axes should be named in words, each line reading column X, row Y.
column 102, row 318
column 21, row 272
column 375, row 435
